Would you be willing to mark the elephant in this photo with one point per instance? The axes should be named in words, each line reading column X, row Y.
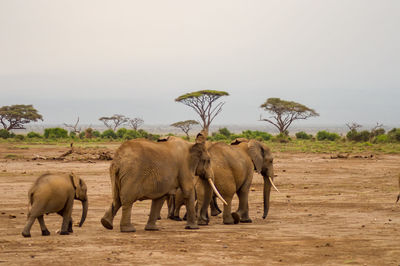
column 233, row 166
column 143, row 169
column 55, row 193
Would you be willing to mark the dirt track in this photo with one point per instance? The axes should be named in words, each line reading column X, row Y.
column 329, row 212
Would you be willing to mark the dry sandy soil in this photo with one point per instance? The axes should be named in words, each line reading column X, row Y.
column 329, row 212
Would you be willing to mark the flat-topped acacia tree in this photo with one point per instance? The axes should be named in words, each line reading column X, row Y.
column 202, row 103
column 285, row 112
column 16, row 116
column 185, row 126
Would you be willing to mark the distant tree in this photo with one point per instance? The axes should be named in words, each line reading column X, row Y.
column 135, row 123
column 185, row 126
column 202, row 103
column 74, row 128
column 114, row 121
column 15, row 116
column 285, row 112
column 353, row 126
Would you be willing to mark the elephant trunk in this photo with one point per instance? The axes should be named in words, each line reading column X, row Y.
column 266, row 194
column 84, row 212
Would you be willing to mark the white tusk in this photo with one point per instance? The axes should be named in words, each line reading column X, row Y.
column 216, row 191
column 270, row 180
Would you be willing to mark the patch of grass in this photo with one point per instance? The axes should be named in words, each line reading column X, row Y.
column 12, row 156
column 310, row 146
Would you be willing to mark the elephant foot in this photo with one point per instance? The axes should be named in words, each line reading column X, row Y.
column 247, row 220
column 234, row 218
column 185, row 217
column 106, row 223
column 45, row 232
column 26, row 234
column 202, row 222
column 215, row 212
column 64, row 233
column 151, row 227
column 191, row 226
column 175, row 218
column 70, row 227
column 127, row 228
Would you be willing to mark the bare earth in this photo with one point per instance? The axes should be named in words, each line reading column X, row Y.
column 329, row 212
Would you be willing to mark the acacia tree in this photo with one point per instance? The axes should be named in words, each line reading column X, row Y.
column 114, row 121
column 15, row 116
column 185, row 126
column 285, row 112
column 135, row 123
column 202, row 103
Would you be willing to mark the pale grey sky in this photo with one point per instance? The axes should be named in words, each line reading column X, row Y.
column 97, row 58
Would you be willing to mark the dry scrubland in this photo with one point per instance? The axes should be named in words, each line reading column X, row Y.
column 329, row 212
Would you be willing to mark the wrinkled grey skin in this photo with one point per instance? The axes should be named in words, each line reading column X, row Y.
column 142, row 169
column 55, row 193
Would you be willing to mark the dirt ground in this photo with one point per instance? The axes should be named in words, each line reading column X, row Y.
column 329, row 212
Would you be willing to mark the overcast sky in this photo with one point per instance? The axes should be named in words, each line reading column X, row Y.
column 98, row 58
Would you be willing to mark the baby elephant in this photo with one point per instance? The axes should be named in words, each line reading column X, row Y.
column 55, row 193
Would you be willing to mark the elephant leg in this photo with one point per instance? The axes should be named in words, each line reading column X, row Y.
column 191, row 214
column 107, row 220
column 215, row 210
column 243, row 209
column 227, row 216
column 66, row 217
column 43, row 227
column 27, row 229
column 171, row 205
column 156, row 205
column 125, row 223
column 70, row 226
column 179, row 201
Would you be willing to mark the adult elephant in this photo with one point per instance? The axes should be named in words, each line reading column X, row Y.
column 233, row 166
column 142, row 169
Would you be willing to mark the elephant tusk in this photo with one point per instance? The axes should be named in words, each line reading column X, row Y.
column 216, row 191
column 270, row 180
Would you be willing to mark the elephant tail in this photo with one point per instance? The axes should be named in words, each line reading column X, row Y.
column 115, row 182
column 30, row 201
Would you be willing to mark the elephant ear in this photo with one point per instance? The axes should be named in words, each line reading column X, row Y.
column 163, row 139
column 256, row 154
column 237, row 141
column 76, row 183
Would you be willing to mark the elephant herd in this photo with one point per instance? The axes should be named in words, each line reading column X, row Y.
column 172, row 169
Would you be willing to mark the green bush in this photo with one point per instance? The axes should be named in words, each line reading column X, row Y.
column 361, row 136
column 19, row 137
column 260, row 135
column 82, row 135
column 121, row 132
column 381, row 139
column 108, row 134
column 394, row 135
column 224, row 131
column 303, row 135
column 55, row 133
column 4, row 134
column 325, row 135
column 32, row 135
column 131, row 134
column 72, row 135
column 96, row 134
